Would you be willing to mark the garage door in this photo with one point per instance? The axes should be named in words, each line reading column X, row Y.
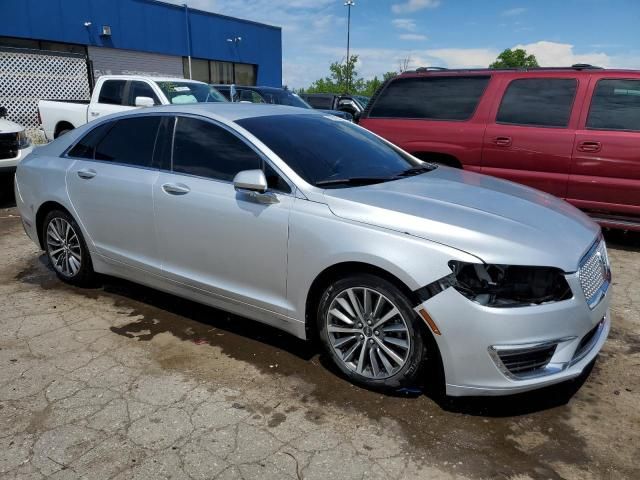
column 112, row 61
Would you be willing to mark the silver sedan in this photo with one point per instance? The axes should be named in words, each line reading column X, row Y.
column 320, row 228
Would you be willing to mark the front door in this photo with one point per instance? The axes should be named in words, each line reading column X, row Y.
column 211, row 236
column 605, row 176
column 110, row 186
column 531, row 139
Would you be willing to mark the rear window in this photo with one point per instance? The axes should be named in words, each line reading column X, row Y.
column 434, row 98
column 111, row 92
column 615, row 105
column 539, row 102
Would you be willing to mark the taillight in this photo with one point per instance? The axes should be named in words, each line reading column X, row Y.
column 39, row 117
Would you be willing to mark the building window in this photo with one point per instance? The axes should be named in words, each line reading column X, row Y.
column 221, row 72
column 42, row 45
column 218, row 72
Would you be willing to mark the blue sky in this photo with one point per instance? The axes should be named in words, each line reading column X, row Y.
column 448, row 33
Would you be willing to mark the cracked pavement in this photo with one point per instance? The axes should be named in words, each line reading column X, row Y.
column 125, row 382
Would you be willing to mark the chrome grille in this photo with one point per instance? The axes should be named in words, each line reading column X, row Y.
column 595, row 273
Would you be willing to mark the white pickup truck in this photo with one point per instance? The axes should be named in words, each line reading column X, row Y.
column 115, row 93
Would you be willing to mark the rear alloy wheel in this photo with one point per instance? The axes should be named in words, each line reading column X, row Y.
column 370, row 332
column 66, row 249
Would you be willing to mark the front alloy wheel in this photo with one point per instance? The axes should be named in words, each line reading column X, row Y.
column 371, row 333
column 368, row 332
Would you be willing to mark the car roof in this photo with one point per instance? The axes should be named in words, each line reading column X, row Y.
column 148, row 78
column 231, row 111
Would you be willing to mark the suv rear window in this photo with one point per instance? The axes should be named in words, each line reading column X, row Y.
column 540, row 102
column 435, row 98
column 615, row 105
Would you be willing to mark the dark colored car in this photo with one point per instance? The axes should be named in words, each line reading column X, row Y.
column 354, row 104
column 573, row 132
column 271, row 95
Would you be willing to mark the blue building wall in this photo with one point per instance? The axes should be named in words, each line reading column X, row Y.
column 148, row 26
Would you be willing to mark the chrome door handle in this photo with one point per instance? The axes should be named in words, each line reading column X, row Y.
column 592, row 147
column 176, row 188
column 87, row 173
column 95, row 114
column 502, row 141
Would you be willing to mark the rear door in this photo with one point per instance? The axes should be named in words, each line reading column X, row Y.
column 111, row 99
column 605, row 176
column 110, row 186
column 530, row 137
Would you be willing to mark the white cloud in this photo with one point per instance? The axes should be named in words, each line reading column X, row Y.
column 514, row 12
column 462, row 57
column 412, row 36
column 414, row 5
column 404, row 24
column 552, row 54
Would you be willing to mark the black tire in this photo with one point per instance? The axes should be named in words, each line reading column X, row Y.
column 85, row 275
column 410, row 373
column 62, row 132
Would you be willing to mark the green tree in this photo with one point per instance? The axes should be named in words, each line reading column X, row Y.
column 517, row 58
column 336, row 82
column 372, row 85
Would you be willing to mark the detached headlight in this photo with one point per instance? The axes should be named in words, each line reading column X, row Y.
column 23, row 140
column 509, row 285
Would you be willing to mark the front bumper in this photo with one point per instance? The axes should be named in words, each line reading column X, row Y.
column 472, row 336
column 8, row 165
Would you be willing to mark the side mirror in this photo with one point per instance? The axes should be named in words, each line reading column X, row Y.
column 250, row 180
column 3, row 112
column 254, row 183
column 144, row 102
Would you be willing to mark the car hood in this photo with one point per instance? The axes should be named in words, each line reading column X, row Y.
column 9, row 127
column 498, row 221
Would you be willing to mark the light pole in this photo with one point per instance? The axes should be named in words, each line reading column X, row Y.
column 349, row 4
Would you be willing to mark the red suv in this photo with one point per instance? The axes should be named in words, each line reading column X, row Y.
column 573, row 132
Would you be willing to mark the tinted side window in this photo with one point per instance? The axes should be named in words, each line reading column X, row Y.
column 207, row 150
column 86, row 147
column 320, row 102
column 436, row 98
column 130, row 141
column 141, row 89
column 112, row 92
column 544, row 102
column 615, row 105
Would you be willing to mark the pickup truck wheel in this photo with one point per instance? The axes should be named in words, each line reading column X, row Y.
column 370, row 333
column 67, row 250
column 62, row 132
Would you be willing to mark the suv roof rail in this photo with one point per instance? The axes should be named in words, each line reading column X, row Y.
column 584, row 66
column 576, row 66
column 429, row 69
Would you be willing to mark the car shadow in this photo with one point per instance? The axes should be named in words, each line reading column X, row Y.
column 622, row 240
column 7, row 198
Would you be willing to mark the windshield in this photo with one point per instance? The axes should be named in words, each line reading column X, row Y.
column 327, row 151
column 362, row 100
column 284, row 97
column 190, row 92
